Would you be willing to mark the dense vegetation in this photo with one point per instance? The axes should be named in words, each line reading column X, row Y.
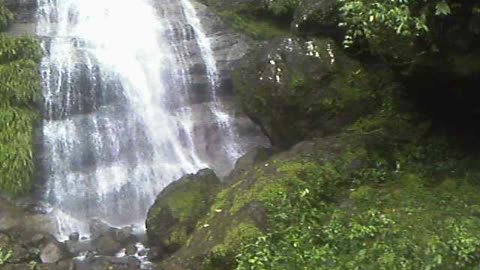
column 393, row 190
column 19, row 94
column 378, row 218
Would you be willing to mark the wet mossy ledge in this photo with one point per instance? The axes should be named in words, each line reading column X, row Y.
column 20, row 93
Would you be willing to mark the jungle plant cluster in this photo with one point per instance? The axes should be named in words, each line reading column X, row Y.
column 375, row 20
column 408, row 218
column 20, row 92
column 383, row 26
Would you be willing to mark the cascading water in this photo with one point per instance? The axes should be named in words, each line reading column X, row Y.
column 119, row 124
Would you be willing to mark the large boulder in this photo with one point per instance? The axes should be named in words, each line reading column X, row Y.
column 54, row 252
column 296, row 88
column 179, row 207
column 107, row 240
column 240, row 213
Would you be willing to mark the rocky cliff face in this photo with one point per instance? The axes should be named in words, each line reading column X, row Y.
column 228, row 48
column 344, row 126
column 25, row 10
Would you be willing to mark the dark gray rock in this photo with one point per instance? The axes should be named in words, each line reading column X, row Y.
column 108, row 263
column 79, row 247
column 131, row 250
column 107, row 245
column 74, row 237
column 100, row 228
column 248, row 161
column 297, row 88
column 54, row 252
column 125, row 235
column 179, row 207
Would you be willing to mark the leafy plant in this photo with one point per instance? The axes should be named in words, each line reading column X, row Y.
column 282, row 7
column 6, row 16
column 403, row 223
column 384, row 23
column 20, row 90
column 5, row 256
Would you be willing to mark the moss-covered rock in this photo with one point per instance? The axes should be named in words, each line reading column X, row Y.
column 296, row 88
column 317, row 17
column 250, row 17
column 179, row 207
column 239, row 212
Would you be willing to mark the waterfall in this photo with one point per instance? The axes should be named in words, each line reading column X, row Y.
column 121, row 119
column 223, row 120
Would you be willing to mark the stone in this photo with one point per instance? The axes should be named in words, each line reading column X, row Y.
column 131, row 250
column 74, row 237
column 100, row 228
column 248, row 161
column 179, row 207
column 156, row 253
column 37, row 238
column 79, row 247
column 53, row 252
column 4, row 240
column 108, row 263
column 125, row 235
column 106, row 245
column 298, row 88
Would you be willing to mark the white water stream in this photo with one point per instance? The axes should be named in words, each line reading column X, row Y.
column 119, row 125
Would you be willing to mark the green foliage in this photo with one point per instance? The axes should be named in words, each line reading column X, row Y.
column 442, row 8
column 18, row 48
column 376, row 20
column 389, row 24
column 326, row 221
column 4, row 256
column 258, row 27
column 6, row 16
column 20, row 85
column 20, row 90
column 282, row 7
column 16, row 154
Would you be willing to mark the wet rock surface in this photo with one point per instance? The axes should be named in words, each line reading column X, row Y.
column 296, row 88
column 179, row 207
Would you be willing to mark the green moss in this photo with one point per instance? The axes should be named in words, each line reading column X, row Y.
column 184, row 203
column 449, row 184
column 264, row 190
column 6, row 17
column 251, row 18
column 242, row 233
column 222, row 255
column 221, row 200
column 256, row 27
column 403, row 224
column 363, row 193
column 178, row 237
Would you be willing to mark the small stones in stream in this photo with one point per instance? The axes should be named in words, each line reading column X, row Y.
column 74, row 237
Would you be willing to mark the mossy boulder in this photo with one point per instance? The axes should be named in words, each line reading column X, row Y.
column 250, row 17
column 296, row 88
column 239, row 213
column 317, row 17
column 179, row 207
